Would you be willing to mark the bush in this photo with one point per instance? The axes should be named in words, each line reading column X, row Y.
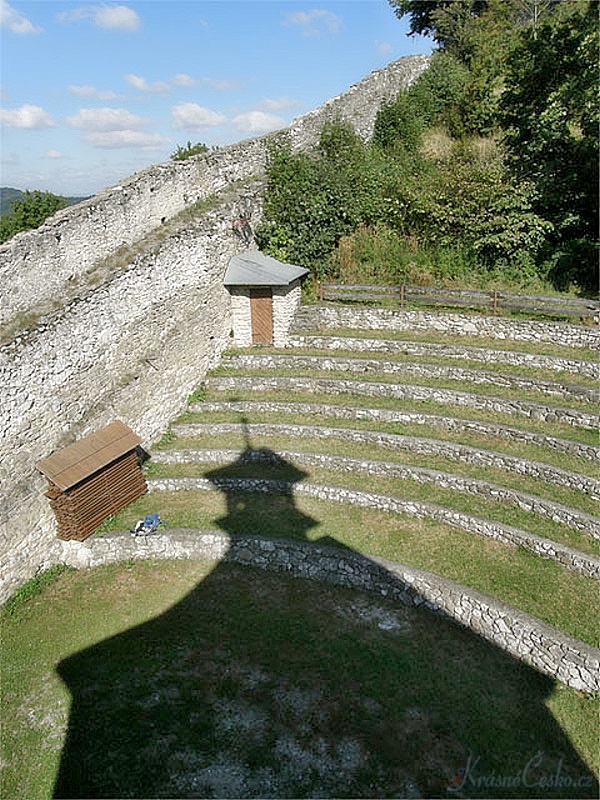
column 188, row 151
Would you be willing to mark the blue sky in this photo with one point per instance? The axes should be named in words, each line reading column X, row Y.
column 93, row 92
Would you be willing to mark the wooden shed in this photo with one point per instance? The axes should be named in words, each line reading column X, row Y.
column 265, row 294
column 92, row 479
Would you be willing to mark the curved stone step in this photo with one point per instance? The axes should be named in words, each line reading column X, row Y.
column 546, row 548
column 525, row 637
column 415, row 370
column 360, row 344
column 423, row 446
column 577, row 520
column 523, row 408
column 314, row 318
column 577, row 449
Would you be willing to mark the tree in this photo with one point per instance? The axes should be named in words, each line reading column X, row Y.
column 423, row 13
column 30, row 212
column 550, row 115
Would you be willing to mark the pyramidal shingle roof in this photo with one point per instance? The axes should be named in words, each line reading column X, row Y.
column 253, row 268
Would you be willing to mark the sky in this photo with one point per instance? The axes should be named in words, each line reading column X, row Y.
column 93, row 92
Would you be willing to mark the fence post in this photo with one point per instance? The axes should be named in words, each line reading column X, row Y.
column 495, row 302
column 402, row 296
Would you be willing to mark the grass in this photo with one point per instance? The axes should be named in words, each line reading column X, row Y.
column 474, row 505
column 525, row 371
column 487, row 342
column 476, row 389
column 560, row 430
column 524, row 483
column 179, row 679
column 539, row 587
column 517, row 448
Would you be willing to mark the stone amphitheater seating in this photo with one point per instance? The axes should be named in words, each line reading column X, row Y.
column 495, row 427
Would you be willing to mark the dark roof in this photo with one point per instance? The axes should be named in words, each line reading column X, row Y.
column 253, row 268
column 72, row 464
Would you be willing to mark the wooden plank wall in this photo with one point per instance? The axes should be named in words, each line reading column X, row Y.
column 82, row 508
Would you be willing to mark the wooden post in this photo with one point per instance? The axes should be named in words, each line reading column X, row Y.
column 402, row 296
column 495, row 302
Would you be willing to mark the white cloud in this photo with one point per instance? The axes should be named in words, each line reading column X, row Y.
column 91, row 91
column 314, row 22
column 53, row 154
column 10, row 18
column 277, row 104
column 193, row 117
column 142, row 85
column 222, row 85
column 112, row 140
column 106, row 119
column 258, row 122
column 183, row 80
column 117, row 18
column 111, row 17
column 26, row 116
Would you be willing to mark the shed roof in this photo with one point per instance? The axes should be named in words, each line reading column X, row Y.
column 253, row 268
column 78, row 461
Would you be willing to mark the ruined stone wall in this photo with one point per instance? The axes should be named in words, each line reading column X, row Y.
column 125, row 308
column 39, row 269
column 132, row 350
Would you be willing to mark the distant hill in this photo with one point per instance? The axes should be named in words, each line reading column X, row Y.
column 8, row 195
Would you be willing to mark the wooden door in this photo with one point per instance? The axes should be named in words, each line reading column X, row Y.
column 261, row 315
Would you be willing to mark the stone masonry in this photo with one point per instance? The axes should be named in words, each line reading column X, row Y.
column 528, row 639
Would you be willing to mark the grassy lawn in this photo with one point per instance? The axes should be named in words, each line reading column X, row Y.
column 480, row 390
column 524, row 483
column 542, row 588
column 475, row 505
column 437, row 337
column 559, row 429
column 517, row 448
column 533, row 373
column 191, row 679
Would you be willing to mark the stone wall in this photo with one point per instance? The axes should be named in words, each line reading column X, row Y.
column 357, row 344
column 528, row 639
column 43, row 267
column 406, row 391
column 117, row 309
column 415, row 444
column 325, row 410
column 546, row 548
column 331, row 317
column 132, row 350
column 286, row 300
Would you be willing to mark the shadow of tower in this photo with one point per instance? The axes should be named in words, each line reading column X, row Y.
column 244, row 688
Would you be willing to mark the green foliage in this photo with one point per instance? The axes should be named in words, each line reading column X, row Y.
column 188, row 151
column 311, row 199
column 550, row 113
column 424, row 14
column 399, row 124
column 29, row 212
column 487, row 163
column 17, row 601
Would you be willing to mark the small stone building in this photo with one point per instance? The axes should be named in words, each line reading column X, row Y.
column 265, row 294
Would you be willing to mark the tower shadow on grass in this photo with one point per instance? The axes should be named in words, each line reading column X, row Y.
column 264, row 685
